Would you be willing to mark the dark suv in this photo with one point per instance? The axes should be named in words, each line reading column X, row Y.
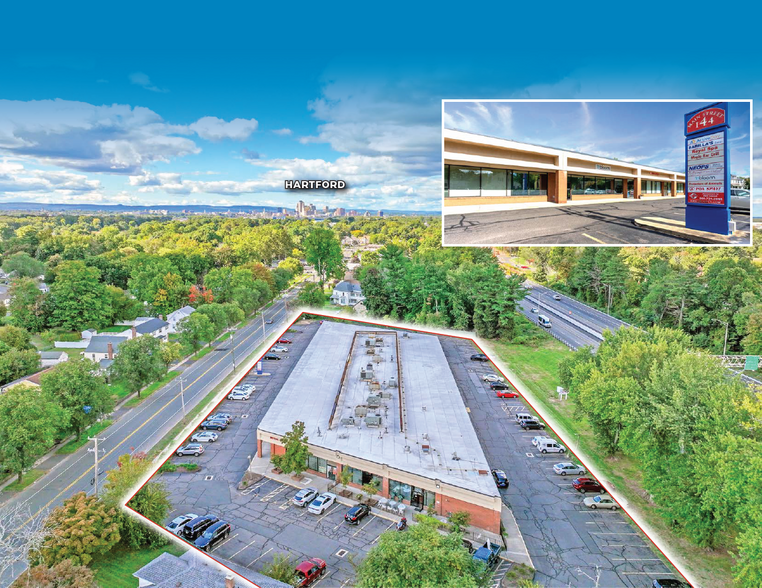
column 193, row 529
column 213, row 535
column 479, row 357
column 532, row 425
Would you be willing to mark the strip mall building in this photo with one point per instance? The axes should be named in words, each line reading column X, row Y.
column 487, row 170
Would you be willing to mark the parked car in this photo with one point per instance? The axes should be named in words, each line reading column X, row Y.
column 468, row 545
column 244, row 388
column 177, row 524
column 550, row 446
column 285, row 341
column 601, row 501
column 587, row 485
column 507, row 393
column 492, row 378
column 204, row 437
column 499, row 386
column 355, row 514
column 194, row 528
column 488, row 554
column 538, row 438
column 213, row 535
column 271, row 356
column 305, row 496
column 279, row 349
column 191, row 449
column 479, row 357
column 221, row 416
column 216, row 425
column 308, row 571
column 532, row 425
column 740, row 199
column 669, row 583
column 569, row 469
column 240, row 395
column 321, row 503
column 524, row 416
column 556, row 297
column 535, row 310
column 500, row 478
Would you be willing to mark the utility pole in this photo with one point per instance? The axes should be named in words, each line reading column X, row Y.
column 182, row 392
column 95, row 451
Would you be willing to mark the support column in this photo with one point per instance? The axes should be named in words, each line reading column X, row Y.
column 636, row 188
column 674, row 187
column 561, row 187
column 385, row 487
column 259, row 448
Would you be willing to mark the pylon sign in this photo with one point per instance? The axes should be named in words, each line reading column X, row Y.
column 707, row 169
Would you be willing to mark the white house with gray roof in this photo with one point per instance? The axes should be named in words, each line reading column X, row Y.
column 347, row 293
column 174, row 318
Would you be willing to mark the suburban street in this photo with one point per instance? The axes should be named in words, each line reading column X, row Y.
column 585, row 224
column 139, row 428
column 569, row 543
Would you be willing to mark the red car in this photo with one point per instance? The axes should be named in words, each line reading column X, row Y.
column 587, row 485
column 285, row 341
column 506, row 394
column 309, row 571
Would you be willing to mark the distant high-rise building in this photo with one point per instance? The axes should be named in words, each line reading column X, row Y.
column 367, row 213
column 340, row 212
column 301, row 209
column 380, row 213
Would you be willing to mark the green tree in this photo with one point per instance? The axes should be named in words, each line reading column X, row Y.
column 312, row 295
column 24, row 265
column 78, row 388
column 16, row 363
column 420, row 557
column 294, row 460
column 322, row 249
column 82, row 527
column 233, row 314
column 29, row 421
column 78, row 299
column 170, row 352
column 139, row 362
column 123, row 308
column 27, row 305
column 195, row 329
column 15, row 337
column 281, row 568
column 293, row 265
column 216, row 314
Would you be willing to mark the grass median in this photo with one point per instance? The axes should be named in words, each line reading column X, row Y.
column 27, row 479
column 537, row 366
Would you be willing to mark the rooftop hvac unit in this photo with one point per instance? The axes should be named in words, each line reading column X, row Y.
column 370, row 351
column 361, row 410
column 377, row 358
column 374, row 401
column 349, row 422
column 425, row 449
column 374, row 386
column 366, row 373
column 372, row 420
column 392, row 382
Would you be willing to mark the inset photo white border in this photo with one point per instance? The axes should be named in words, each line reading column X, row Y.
column 541, row 154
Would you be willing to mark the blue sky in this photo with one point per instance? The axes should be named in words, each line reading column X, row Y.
column 644, row 132
column 167, row 103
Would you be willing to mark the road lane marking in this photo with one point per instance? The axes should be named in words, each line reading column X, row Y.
column 594, row 239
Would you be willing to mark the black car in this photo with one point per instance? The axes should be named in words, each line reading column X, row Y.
column 499, row 386
column 669, row 583
column 213, row 535
column 479, row 357
column 467, row 544
column 355, row 514
column 193, row 529
column 530, row 425
column 271, row 356
column 500, row 478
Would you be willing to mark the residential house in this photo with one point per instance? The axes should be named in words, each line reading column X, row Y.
column 191, row 570
column 347, row 293
column 30, row 380
column 5, row 296
column 103, row 347
column 174, row 318
column 51, row 358
column 156, row 327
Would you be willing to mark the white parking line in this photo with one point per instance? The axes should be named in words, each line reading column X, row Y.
column 223, row 543
column 370, row 520
column 607, row 533
column 382, row 532
column 260, row 557
column 332, row 508
column 242, row 548
column 635, row 559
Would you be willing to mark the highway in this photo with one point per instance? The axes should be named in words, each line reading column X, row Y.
column 139, row 428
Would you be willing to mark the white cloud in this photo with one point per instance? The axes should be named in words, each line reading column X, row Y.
column 283, row 132
column 15, row 178
column 493, row 118
column 84, row 137
column 216, row 129
column 140, row 79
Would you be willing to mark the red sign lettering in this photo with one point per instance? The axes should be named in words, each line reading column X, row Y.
column 706, row 119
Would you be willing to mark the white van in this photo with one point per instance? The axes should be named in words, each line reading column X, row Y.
column 523, row 416
column 550, row 446
column 544, row 321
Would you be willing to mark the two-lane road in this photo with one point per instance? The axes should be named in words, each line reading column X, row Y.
column 140, row 428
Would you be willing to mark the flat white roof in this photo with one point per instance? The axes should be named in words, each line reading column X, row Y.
column 435, row 414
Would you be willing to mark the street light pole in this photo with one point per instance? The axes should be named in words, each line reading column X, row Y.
column 95, row 451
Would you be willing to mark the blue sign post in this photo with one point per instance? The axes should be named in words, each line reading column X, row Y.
column 707, row 169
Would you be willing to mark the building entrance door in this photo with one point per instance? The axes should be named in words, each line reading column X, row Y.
column 630, row 189
column 416, row 499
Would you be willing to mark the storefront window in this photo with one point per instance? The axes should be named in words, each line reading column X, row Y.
column 575, row 185
column 447, row 180
column 464, row 181
column 361, row 477
column 493, row 182
column 518, row 183
column 399, row 491
column 588, row 184
column 601, row 185
column 618, row 186
column 681, row 187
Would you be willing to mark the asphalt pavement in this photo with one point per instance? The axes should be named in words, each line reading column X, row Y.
column 579, row 224
column 139, row 428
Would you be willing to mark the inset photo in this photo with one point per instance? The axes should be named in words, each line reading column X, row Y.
column 613, row 172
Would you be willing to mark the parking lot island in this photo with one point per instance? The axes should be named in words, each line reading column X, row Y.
column 385, row 405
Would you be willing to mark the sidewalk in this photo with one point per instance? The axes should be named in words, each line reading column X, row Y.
column 448, row 210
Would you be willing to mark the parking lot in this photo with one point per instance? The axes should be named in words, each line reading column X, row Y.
column 565, row 539
column 264, row 521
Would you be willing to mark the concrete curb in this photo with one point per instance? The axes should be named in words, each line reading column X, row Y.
column 515, row 546
column 452, row 210
column 680, row 231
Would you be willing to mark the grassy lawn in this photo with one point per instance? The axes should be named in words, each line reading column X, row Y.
column 223, row 337
column 115, row 569
column 75, row 444
column 537, row 367
column 26, row 479
column 114, row 329
column 119, row 389
column 151, row 389
column 203, row 352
